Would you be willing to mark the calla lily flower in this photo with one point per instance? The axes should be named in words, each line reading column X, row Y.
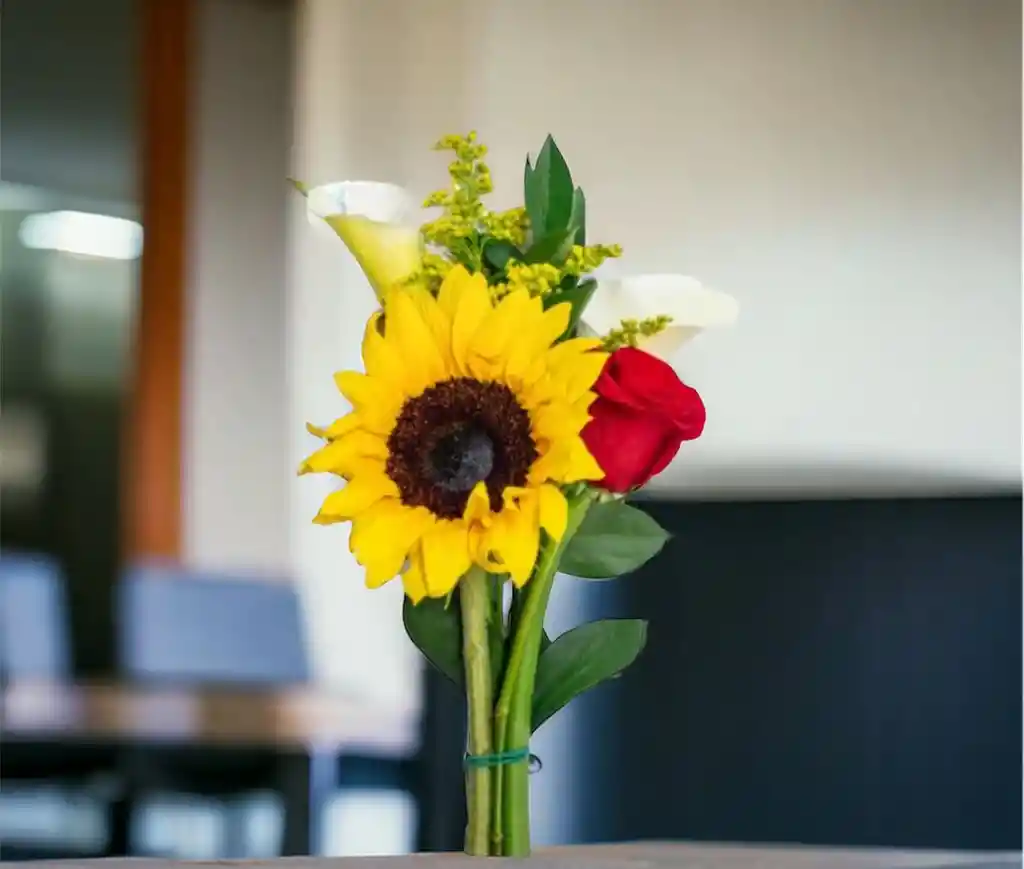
column 375, row 221
column 692, row 307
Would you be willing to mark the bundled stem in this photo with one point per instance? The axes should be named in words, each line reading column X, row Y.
column 475, row 602
column 512, row 717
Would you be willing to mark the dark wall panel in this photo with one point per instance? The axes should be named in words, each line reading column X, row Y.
column 843, row 672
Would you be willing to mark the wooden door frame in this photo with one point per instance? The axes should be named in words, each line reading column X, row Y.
column 152, row 467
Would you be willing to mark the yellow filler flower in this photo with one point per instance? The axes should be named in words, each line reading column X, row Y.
column 464, row 427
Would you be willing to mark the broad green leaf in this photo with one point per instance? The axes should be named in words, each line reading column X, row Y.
column 498, row 252
column 552, row 248
column 545, row 641
column 548, row 191
column 576, row 295
column 614, row 539
column 436, row 630
column 582, row 658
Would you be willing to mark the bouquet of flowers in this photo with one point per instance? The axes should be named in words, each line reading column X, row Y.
column 509, row 404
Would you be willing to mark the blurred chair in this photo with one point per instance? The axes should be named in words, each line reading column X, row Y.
column 33, row 619
column 55, row 797
column 188, row 628
column 177, row 627
column 195, row 629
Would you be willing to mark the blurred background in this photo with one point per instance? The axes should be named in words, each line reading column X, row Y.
column 189, row 668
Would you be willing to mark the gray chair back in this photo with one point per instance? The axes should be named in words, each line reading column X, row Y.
column 178, row 626
column 33, row 618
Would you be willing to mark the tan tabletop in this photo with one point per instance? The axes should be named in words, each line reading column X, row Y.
column 293, row 717
column 626, row 856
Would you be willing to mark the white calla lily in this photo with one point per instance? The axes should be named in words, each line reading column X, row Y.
column 692, row 307
column 376, row 222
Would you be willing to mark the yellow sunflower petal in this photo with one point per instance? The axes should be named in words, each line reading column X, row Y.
column 555, row 322
column 381, row 363
column 439, row 324
column 342, row 426
column 537, row 336
column 556, row 420
column 565, row 461
column 574, row 370
column 383, row 535
column 508, row 323
column 582, row 404
column 515, row 539
column 341, row 456
column 450, row 292
column 478, row 505
column 445, row 556
column 553, row 511
column 359, row 494
column 358, row 388
column 316, row 431
column 413, row 581
column 465, row 300
column 580, row 464
column 376, row 402
column 408, row 335
column 560, row 372
column 574, row 346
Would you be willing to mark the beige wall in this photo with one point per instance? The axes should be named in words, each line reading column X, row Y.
column 849, row 169
column 235, row 443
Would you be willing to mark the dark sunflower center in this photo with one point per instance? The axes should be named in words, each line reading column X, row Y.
column 456, row 434
column 462, row 459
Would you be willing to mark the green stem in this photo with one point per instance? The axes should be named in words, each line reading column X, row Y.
column 475, row 603
column 500, row 730
column 512, row 716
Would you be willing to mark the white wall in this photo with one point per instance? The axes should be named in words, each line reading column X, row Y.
column 357, row 635
column 235, row 440
column 849, row 169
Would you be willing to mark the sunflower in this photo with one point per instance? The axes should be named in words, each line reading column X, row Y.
column 464, row 428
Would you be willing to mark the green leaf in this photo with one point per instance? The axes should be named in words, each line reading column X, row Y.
column 578, row 295
column 614, row 539
column 534, row 198
column 545, row 641
column 436, row 630
column 300, row 186
column 548, row 191
column 582, row 658
column 579, row 216
column 552, row 248
column 498, row 252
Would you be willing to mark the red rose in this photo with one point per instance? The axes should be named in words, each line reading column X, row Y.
column 640, row 418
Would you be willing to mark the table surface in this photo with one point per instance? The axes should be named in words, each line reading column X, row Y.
column 295, row 717
column 652, row 855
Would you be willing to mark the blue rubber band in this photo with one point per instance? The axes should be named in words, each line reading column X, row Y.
column 501, row 758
